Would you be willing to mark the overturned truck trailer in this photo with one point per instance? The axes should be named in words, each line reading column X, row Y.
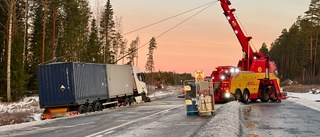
column 67, row 88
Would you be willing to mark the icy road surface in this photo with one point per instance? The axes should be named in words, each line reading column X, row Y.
column 162, row 117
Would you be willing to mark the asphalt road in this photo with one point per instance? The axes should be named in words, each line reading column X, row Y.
column 162, row 117
column 285, row 119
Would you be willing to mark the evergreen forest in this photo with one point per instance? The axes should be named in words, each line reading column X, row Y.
column 296, row 50
column 34, row 32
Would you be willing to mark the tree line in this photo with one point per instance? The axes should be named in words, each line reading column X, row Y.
column 34, row 32
column 296, row 50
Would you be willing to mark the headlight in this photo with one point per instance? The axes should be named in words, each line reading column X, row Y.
column 237, row 70
column 222, row 77
column 232, row 70
column 227, row 95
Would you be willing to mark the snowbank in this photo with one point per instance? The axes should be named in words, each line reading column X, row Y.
column 306, row 99
column 25, row 110
column 225, row 124
column 169, row 90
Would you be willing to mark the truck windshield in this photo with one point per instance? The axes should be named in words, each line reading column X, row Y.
column 141, row 77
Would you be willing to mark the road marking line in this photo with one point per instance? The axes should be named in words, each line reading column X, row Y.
column 113, row 128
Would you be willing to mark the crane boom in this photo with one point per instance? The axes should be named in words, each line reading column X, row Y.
column 243, row 39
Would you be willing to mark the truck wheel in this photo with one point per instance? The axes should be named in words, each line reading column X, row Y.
column 246, row 96
column 237, row 95
column 127, row 102
column 82, row 109
column 265, row 95
column 273, row 94
column 97, row 106
column 90, row 108
column 132, row 99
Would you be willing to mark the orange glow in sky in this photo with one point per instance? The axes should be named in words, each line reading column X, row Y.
column 206, row 40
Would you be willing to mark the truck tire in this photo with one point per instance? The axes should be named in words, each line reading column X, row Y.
column 90, row 108
column 265, row 95
column 246, row 95
column 127, row 102
column 97, row 106
column 145, row 98
column 273, row 94
column 237, row 95
column 82, row 109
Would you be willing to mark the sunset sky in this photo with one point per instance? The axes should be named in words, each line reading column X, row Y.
column 206, row 40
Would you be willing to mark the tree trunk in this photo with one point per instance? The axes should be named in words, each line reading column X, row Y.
column 311, row 57
column 44, row 29
column 54, row 14
column 315, row 54
column 10, row 14
column 25, row 33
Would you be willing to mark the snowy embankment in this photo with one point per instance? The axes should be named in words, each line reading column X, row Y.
column 306, row 99
column 25, row 110
column 226, row 123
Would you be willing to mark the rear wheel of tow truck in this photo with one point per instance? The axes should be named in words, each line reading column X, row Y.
column 97, row 106
column 265, row 95
column 273, row 96
column 246, row 96
column 237, row 95
column 90, row 108
column 82, row 109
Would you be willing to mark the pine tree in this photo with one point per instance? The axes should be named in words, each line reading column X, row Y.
column 132, row 51
column 264, row 49
column 94, row 45
column 35, row 44
column 19, row 76
column 313, row 16
column 150, row 62
column 76, row 14
column 107, row 33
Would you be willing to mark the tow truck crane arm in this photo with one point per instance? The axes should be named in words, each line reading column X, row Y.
column 243, row 39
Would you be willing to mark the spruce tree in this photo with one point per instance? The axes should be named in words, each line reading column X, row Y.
column 93, row 47
column 107, row 33
column 264, row 49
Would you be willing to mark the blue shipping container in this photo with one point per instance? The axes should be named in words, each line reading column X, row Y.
column 71, row 83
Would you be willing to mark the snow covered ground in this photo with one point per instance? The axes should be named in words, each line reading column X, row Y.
column 227, row 121
column 306, row 99
column 25, row 110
